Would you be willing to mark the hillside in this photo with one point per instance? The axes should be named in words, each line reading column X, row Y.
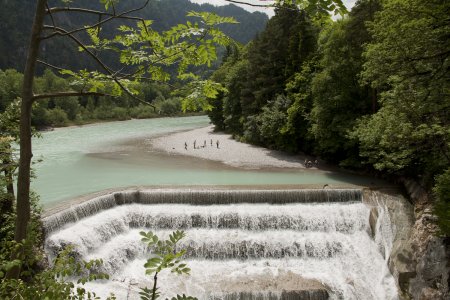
column 17, row 16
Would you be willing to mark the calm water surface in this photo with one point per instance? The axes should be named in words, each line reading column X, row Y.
column 74, row 161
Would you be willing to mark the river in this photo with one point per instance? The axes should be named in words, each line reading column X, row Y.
column 74, row 161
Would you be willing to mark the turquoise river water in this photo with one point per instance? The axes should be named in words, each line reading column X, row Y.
column 74, row 161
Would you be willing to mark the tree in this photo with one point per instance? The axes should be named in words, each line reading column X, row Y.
column 17, row 16
column 408, row 62
column 338, row 97
column 256, row 74
column 10, row 87
column 143, row 54
column 9, row 135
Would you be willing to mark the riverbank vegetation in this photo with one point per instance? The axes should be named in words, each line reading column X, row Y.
column 76, row 110
column 369, row 91
column 140, row 53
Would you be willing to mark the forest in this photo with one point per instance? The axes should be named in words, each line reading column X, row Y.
column 165, row 14
column 367, row 91
column 80, row 110
column 64, row 111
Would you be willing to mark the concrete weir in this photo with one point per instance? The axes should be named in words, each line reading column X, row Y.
column 309, row 244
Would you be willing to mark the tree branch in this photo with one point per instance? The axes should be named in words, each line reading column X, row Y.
column 55, row 10
column 98, row 24
column 51, row 15
column 50, row 65
column 114, row 16
column 100, row 63
column 252, row 4
column 68, row 94
column 97, row 12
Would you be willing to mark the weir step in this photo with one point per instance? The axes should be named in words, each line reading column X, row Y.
column 316, row 294
column 246, row 244
column 197, row 197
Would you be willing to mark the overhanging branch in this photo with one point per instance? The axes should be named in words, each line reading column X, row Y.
column 68, row 94
column 110, row 72
column 252, row 4
column 112, row 16
column 92, row 11
column 50, row 65
column 98, row 24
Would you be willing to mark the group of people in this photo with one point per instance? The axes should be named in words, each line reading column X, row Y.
column 310, row 164
column 196, row 146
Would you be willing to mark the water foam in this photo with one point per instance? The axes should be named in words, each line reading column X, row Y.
column 236, row 248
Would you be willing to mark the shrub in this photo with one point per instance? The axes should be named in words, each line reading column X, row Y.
column 441, row 192
column 57, row 117
column 120, row 113
column 143, row 112
column 171, row 106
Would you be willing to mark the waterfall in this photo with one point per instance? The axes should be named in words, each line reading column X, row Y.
column 244, row 244
column 196, row 197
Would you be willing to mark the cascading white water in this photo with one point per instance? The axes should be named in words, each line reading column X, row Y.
column 233, row 248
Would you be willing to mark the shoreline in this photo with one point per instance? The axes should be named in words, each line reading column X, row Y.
column 230, row 154
column 99, row 121
column 221, row 147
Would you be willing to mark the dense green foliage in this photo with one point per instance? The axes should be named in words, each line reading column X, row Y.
column 143, row 53
column 368, row 91
column 256, row 74
column 138, row 47
column 63, row 111
column 37, row 281
column 408, row 62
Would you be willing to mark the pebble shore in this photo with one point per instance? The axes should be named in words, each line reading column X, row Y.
column 228, row 150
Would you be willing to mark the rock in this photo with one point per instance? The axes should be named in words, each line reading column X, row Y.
column 431, row 252
column 402, row 264
column 430, row 294
column 373, row 218
column 401, row 260
column 432, row 280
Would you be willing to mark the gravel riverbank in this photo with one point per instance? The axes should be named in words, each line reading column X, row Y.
column 222, row 147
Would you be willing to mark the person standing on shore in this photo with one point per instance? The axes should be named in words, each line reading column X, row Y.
column 217, row 144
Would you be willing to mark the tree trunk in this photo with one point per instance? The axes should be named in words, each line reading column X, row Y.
column 23, row 181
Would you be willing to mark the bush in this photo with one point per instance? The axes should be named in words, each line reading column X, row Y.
column 103, row 113
column 120, row 113
column 143, row 112
column 57, row 117
column 171, row 107
column 70, row 105
column 39, row 116
column 36, row 282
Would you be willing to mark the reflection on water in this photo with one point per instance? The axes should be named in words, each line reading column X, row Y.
column 81, row 160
